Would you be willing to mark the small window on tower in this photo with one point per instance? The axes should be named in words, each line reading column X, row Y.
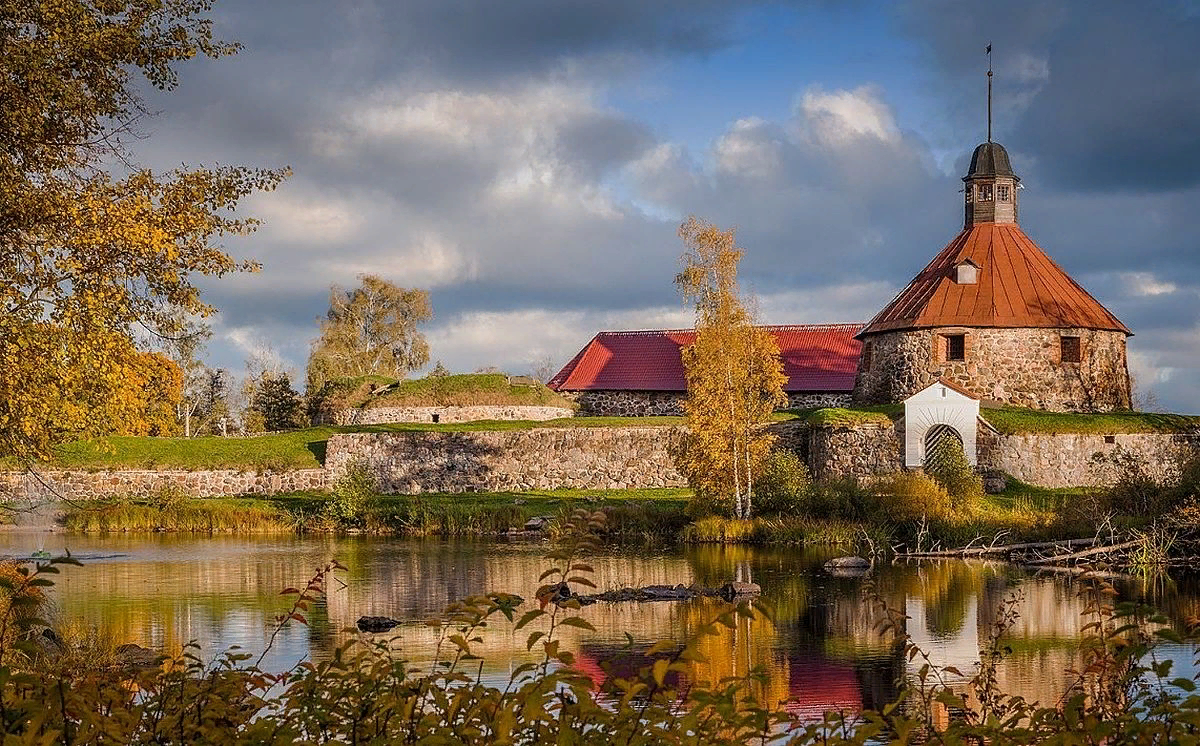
column 1071, row 352
column 1002, row 193
column 985, row 192
column 866, row 357
column 956, row 347
column 970, row 191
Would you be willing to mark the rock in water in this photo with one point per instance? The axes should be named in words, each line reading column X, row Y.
column 735, row 590
column 376, row 623
column 847, row 563
column 538, row 523
column 136, row 656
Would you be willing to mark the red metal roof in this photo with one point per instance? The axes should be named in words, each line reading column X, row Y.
column 818, row 357
column 1018, row 286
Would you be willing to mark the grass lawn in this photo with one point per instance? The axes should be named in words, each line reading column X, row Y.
column 296, row 449
column 1012, row 420
column 468, row 389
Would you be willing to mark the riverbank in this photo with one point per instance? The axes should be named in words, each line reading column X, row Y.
column 1021, row 513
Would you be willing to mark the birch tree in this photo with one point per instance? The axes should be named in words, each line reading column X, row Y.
column 733, row 372
column 370, row 330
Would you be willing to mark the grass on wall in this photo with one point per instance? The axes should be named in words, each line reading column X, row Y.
column 461, row 390
column 295, row 449
column 1013, row 421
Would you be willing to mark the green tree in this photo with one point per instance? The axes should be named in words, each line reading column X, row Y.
column 370, row 330
column 733, row 372
column 279, row 405
column 88, row 256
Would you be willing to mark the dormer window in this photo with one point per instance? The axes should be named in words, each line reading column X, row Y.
column 966, row 273
column 985, row 192
column 1002, row 193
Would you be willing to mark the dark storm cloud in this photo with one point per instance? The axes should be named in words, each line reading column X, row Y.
column 1104, row 96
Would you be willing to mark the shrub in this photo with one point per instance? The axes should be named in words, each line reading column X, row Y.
column 167, row 499
column 949, row 468
column 910, row 496
column 1127, row 486
column 353, row 495
column 844, row 498
column 784, row 487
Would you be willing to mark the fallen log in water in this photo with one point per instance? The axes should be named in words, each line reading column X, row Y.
column 1086, row 553
column 969, row 551
column 729, row 592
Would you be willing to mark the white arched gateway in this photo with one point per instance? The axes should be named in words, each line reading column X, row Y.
column 937, row 412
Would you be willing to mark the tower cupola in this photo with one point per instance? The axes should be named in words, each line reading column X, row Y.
column 990, row 187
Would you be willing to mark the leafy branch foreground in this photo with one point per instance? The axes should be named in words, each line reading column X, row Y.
column 368, row 692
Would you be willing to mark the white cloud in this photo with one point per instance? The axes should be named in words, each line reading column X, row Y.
column 838, row 117
column 1145, row 284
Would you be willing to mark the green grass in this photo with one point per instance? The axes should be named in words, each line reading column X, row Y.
column 214, row 515
column 848, row 417
column 1012, row 421
column 657, row 513
column 296, row 449
column 454, row 390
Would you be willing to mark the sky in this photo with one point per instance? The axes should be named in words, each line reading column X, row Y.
column 529, row 162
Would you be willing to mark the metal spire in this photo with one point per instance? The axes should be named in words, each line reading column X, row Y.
column 989, row 55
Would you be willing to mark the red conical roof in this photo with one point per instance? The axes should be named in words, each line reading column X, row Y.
column 1018, row 286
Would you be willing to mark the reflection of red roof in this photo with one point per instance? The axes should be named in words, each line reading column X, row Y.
column 815, row 357
column 1017, row 286
column 817, row 686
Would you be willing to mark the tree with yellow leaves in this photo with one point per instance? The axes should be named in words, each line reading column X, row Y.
column 733, row 371
column 88, row 258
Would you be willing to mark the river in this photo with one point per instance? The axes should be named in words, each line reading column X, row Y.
column 823, row 650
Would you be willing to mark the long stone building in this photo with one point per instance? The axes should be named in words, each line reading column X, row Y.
column 992, row 314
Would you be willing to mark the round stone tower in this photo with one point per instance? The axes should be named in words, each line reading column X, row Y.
column 993, row 314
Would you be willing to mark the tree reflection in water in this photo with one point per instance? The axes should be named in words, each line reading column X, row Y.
column 823, row 650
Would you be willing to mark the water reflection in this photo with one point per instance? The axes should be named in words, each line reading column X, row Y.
column 824, row 649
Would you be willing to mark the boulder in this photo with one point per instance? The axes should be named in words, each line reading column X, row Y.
column 847, row 563
column 376, row 623
column 130, row 655
column 994, row 483
column 735, row 590
column 538, row 523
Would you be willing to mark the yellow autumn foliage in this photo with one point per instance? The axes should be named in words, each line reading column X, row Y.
column 88, row 258
column 733, row 372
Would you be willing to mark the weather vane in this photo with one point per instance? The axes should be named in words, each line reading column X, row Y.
column 989, row 54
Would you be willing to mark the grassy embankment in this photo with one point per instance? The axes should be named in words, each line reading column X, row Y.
column 461, row 390
column 1021, row 513
column 635, row 513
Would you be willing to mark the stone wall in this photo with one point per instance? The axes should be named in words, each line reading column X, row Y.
column 1018, row 367
column 88, row 485
column 383, row 415
column 543, row 459
column 627, row 403
column 670, row 403
column 1061, row 460
column 860, row 451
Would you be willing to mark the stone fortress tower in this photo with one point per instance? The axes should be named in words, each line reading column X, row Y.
column 992, row 314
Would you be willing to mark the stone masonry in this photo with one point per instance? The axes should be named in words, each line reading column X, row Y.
column 543, row 459
column 1062, row 460
column 383, row 415
column 1017, row 367
column 670, row 403
column 88, row 485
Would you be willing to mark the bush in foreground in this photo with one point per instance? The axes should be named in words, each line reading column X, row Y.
column 367, row 692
